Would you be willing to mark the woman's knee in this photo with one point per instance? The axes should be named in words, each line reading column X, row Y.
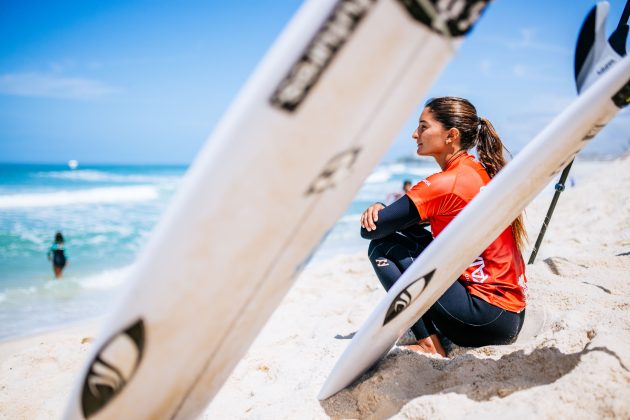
column 374, row 250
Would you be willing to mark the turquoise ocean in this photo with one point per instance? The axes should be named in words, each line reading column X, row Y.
column 106, row 214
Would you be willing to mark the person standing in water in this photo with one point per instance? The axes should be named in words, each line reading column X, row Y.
column 391, row 197
column 486, row 304
column 57, row 254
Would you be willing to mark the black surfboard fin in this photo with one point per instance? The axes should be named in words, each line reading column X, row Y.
column 585, row 45
column 619, row 37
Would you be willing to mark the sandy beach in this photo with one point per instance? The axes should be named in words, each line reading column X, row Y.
column 571, row 361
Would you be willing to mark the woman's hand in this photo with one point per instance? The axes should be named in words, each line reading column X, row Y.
column 370, row 216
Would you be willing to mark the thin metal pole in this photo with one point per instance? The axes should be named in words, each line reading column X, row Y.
column 559, row 188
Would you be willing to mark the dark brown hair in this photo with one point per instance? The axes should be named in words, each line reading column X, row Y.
column 475, row 131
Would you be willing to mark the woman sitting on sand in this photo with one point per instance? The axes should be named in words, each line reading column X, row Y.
column 486, row 305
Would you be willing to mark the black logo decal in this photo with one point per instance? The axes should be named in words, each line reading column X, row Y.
column 335, row 170
column 452, row 18
column 622, row 98
column 408, row 295
column 112, row 368
column 605, row 67
column 326, row 43
column 593, row 131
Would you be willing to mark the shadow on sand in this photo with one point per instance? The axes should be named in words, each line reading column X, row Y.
column 405, row 375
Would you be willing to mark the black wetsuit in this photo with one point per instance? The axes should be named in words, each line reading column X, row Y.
column 58, row 256
column 463, row 318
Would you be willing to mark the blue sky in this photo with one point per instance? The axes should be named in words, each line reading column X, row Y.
column 146, row 81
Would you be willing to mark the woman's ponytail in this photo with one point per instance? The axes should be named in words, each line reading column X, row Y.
column 476, row 132
column 490, row 150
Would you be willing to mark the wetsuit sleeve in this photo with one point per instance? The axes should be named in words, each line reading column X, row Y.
column 399, row 215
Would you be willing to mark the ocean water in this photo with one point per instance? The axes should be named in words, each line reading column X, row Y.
column 106, row 214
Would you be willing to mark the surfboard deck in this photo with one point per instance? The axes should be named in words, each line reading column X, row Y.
column 280, row 168
column 474, row 228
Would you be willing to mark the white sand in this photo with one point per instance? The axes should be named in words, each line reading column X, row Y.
column 575, row 364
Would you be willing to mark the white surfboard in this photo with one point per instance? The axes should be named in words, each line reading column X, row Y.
column 281, row 167
column 481, row 221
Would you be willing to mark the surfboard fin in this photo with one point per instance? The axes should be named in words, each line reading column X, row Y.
column 619, row 37
column 594, row 54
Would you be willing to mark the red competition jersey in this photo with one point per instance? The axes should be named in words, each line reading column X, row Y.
column 498, row 274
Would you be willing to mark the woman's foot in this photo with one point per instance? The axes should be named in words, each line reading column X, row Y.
column 429, row 345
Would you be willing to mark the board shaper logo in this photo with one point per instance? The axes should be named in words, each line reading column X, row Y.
column 605, row 67
column 451, row 18
column 111, row 369
column 408, row 295
column 326, row 43
column 334, row 172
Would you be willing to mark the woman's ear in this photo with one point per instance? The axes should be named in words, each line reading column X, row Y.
column 452, row 135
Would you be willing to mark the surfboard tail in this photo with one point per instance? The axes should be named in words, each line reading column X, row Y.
column 594, row 53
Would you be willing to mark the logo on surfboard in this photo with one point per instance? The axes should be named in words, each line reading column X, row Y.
column 451, row 18
column 326, row 43
column 335, row 170
column 409, row 294
column 112, row 368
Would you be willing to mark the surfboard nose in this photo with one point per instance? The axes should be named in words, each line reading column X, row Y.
column 337, row 381
column 325, row 392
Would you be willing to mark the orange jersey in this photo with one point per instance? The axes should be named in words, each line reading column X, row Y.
column 498, row 274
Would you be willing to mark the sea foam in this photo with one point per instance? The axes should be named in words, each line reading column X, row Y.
column 86, row 196
column 92, row 175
